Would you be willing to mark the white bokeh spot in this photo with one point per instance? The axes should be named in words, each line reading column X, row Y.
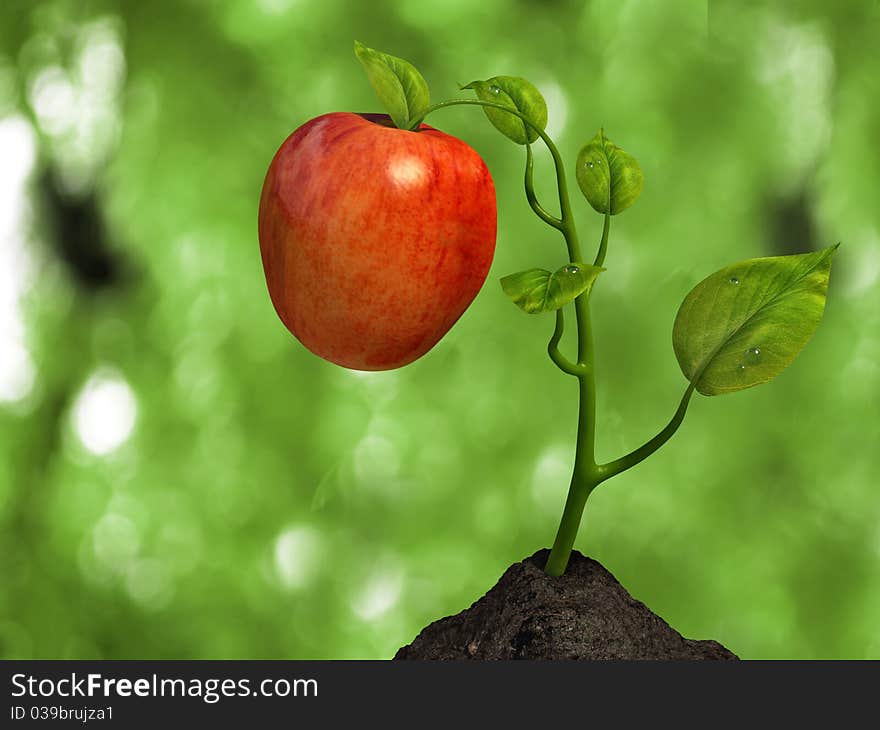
column 796, row 65
column 104, row 413
column 18, row 152
column 378, row 595
column 148, row 583
column 116, row 541
column 550, row 478
column 557, row 107
column 298, row 556
column 376, row 462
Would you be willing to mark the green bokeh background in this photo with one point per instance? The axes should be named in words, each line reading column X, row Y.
column 266, row 504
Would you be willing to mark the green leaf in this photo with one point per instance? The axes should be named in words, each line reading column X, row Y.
column 606, row 174
column 402, row 90
column 518, row 94
column 746, row 323
column 537, row 290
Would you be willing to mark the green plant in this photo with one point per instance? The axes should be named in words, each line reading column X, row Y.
column 738, row 328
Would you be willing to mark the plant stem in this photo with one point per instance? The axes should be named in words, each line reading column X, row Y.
column 550, row 220
column 585, row 474
column 603, row 244
column 562, row 362
column 612, row 468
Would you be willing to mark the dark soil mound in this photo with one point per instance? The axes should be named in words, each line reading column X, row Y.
column 585, row 614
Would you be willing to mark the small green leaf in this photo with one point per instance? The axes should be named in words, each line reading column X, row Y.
column 608, row 175
column 745, row 324
column 402, row 90
column 537, row 290
column 518, row 94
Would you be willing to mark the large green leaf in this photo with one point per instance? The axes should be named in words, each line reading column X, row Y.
column 608, row 175
column 518, row 94
column 537, row 290
column 402, row 90
column 746, row 323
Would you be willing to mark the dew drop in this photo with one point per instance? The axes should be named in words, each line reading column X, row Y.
column 589, row 164
column 495, row 89
column 753, row 354
column 740, row 367
column 571, row 269
column 733, row 280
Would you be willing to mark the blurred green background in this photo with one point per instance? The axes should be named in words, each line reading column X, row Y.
column 179, row 478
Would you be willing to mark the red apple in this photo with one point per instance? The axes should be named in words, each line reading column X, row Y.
column 374, row 239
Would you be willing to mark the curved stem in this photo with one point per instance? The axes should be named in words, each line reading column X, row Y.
column 612, row 468
column 568, row 230
column 549, row 219
column 562, row 362
column 603, row 244
column 585, row 475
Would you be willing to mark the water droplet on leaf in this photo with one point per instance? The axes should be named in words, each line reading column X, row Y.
column 740, row 367
column 571, row 269
column 733, row 280
column 753, row 354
